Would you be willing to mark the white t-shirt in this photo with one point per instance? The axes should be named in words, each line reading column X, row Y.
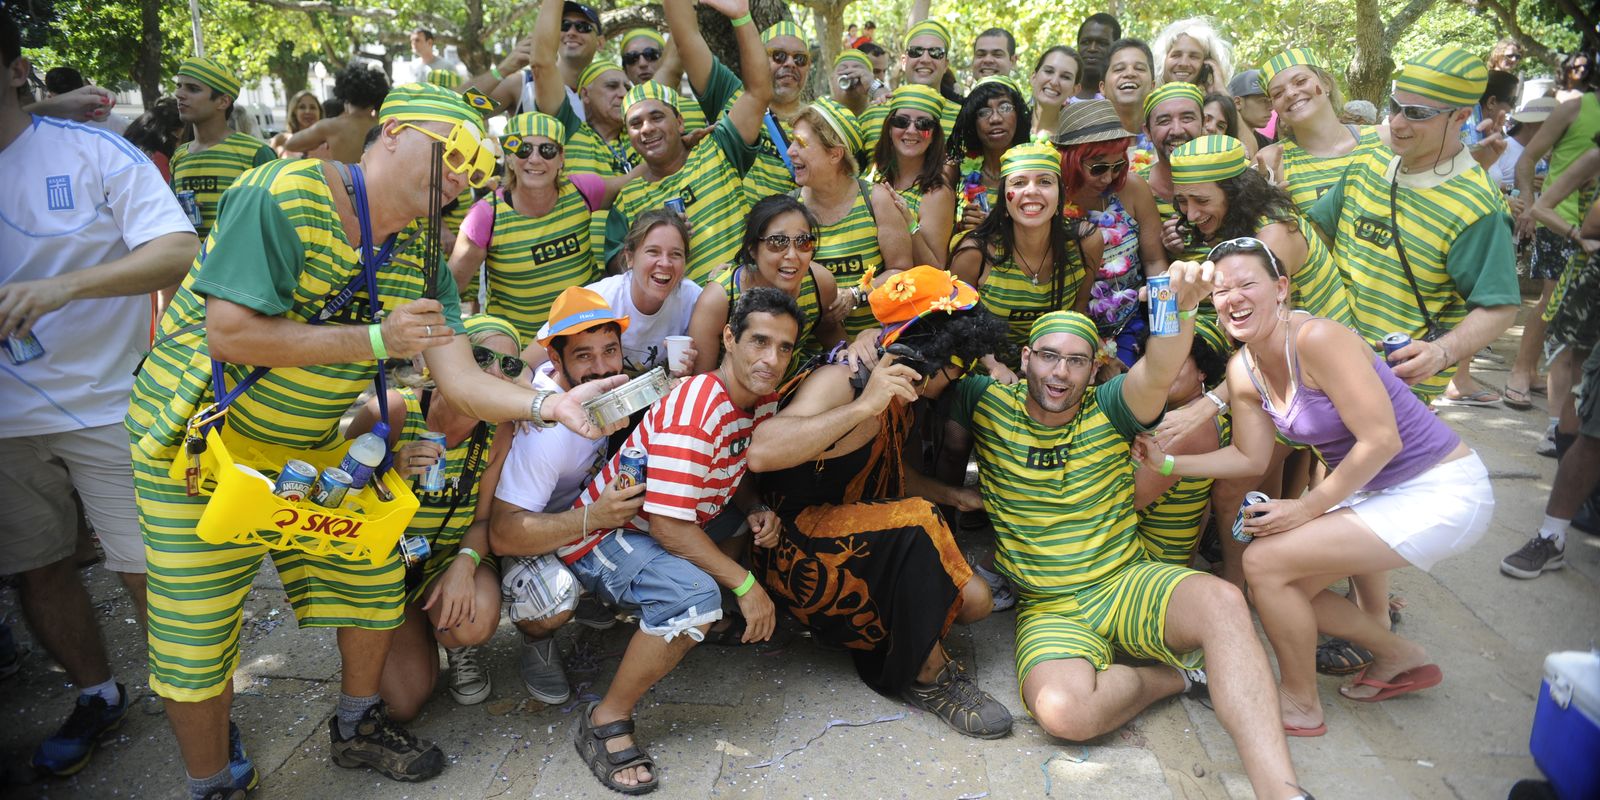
column 421, row 69
column 1504, row 171
column 75, row 198
column 547, row 468
column 643, row 345
column 530, row 101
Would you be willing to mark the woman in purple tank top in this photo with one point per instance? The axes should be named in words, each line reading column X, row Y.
column 1402, row 489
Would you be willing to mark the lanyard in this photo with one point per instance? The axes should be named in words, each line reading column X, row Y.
column 775, row 133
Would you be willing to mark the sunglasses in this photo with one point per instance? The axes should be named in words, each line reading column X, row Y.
column 924, row 124
column 522, row 148
column 464, row 153
column 650, row 54
column 1002, row 109
column 779, row 242
column 581, row 26
column 1100, row 169
column 783, row 56
column 510, row 366
column 1415, row 113
column 935, row 53
column 1246, row 244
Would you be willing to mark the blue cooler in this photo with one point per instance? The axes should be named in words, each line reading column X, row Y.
column 1566, row 725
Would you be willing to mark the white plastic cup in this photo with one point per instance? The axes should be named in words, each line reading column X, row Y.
column 678, row 352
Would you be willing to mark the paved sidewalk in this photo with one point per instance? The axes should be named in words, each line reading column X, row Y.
column 755, row 722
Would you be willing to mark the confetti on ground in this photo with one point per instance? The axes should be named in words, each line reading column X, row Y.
column 1083, row 756
column 835, row 723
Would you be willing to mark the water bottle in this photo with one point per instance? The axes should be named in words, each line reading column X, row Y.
column 365, row 454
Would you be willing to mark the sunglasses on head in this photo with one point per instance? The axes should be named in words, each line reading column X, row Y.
column 582, row 26
column 515, row 145
column 1246, row 244
column 779, row 242
column 650, row 54
column 935, row 53
column 510, row 366
column 901, row 121
column 1100, row 169
column 1415, row 113
column 782, row 57
column 464, row 154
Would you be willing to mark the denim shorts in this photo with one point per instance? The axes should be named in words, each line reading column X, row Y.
column 629, row 569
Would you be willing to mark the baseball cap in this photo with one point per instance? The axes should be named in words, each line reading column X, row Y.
column 1246, row 84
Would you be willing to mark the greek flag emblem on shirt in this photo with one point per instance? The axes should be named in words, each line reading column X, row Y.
column 58, row 192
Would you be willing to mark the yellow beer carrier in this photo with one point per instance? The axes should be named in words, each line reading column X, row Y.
column 237, row 472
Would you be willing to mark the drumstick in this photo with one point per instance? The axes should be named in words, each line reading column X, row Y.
column 432, row 250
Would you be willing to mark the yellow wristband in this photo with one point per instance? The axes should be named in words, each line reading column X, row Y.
column 744, row 20
column 375, row 335
column 749, row 581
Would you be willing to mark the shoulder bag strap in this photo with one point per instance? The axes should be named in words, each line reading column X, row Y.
column 1433, row 331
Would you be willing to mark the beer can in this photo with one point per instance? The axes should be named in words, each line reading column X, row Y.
column 1163, row 306
column 630, row 467
column 1393, row 342
column 432, row 480
column 847, row 82
column 414, row 550
column 331, row 488
column 295, row 481
column 1250, row 499
column 677, row 204
column 191, row 208
column 23, row 349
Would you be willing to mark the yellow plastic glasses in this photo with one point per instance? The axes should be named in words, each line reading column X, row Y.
column 464, row 153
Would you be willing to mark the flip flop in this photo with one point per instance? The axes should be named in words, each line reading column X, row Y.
column 1412, row 680
column 1516, row 399
column 1483, row 398
column 1290, row 730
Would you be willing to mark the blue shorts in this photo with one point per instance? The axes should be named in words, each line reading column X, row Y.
column 631, row 570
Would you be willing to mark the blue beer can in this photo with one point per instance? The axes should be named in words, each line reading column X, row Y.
column 432, row 480
column 677, row 204
column 331, row 488
column 1250, row 499
column 630, row 467
column 1393, row 342
column 414, row 550
column 23, row 349
column 295, row 481
column 1163, row 306
column 191, row 208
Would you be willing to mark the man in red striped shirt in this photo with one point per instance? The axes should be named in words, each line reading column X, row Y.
column 663, row 564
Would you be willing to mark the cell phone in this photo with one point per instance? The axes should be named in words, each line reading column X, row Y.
column 1204, row 78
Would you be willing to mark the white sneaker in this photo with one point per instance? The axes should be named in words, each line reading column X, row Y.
column 469, row 684
column 1000, row 588
column 1547, row 445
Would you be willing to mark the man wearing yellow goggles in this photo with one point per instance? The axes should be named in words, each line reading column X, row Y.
column 464, row 153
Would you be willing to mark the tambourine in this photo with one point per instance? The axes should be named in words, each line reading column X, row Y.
column 635, row 395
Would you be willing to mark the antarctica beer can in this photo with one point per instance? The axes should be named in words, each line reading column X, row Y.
column 630, row 467
column 1163, row 306
column 432, row 479
column 1250, row 499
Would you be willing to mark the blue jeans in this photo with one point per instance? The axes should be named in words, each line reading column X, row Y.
column 629, row 569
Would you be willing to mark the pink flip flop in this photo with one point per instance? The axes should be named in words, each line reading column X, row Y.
column 1412, row 680
column 1290, row 730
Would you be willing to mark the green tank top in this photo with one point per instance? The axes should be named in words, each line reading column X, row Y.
column 1008, row 292
column 1578, row 139
column 532, row 260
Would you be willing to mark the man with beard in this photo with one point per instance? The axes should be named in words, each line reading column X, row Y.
column 703, row 182
column 1173, row 115
column 789, row 61
column 1095, row 36
column 203, row 168
column 1085, row 584
column 662, row 563
column 533, row 510
column 994, row 52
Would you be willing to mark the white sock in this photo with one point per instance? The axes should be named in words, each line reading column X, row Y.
column 1556, row 529
column 106, row 691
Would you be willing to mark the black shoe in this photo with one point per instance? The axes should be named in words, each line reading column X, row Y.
column 382, row 744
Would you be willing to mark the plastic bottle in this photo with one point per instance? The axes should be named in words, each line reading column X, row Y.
column 365, row 454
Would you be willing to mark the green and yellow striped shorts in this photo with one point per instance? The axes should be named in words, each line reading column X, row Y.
column 197, row 589
column 1127, row 610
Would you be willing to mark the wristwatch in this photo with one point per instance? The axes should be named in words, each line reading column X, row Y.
column 536, row 410
column 1222, row 405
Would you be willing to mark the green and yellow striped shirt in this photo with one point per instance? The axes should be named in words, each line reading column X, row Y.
column 434, row 519
column 1170, row 527
column 1309, row 176
column 531, row 261
column 211, row 171
column 849, row 249
column 1012, row 295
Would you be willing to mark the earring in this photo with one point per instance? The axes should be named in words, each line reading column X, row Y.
column 1283, row 311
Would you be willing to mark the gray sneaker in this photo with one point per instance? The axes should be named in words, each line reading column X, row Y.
column 382, row 744
column 469, row 684
column 1547, row 446
column 1000, row 588
column 1537, row 556
column 542, row 674
column 592, row 613
column 955, row 698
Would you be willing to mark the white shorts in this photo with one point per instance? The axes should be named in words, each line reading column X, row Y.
column 37, row 477
column 1435, row 515
column 537, row 587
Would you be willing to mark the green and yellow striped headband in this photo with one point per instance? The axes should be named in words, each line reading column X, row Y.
column 430, row 103
column 1030, row 157
column 650, row 90
column 1004, row 80
column 930, row 26
column 853, row 55
column 210, row 73
column 917, row 97
column 1447, row 74
column 782, row 27
column 448, row 78
column 537, row 124
column 843, row 121
column 1168, row 91
column 646, row 33
column 1208, row 159
column 482, row 326
column 1066, row 322
column 1294, row 56
column 595, row 69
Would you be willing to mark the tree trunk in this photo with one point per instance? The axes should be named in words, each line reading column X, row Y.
column 1505, row 12
column 148, row 70
column 470, row 43
column 1370, row 65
